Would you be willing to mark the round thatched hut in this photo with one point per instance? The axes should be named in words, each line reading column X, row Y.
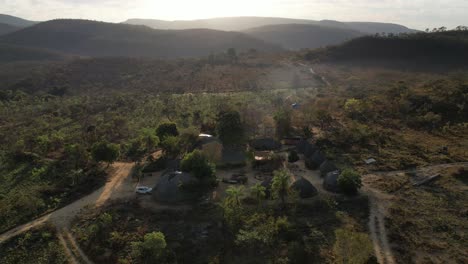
column 330, row 182
column 174, row 187
column 304, row 188
column 327, row 167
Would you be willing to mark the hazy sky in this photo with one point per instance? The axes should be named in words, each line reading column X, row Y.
column 413, row 13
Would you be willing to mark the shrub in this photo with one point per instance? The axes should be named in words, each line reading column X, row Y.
column 349, row 182
column 105, row 152
column 167, row 129
column 197, row 164
column 151, row 249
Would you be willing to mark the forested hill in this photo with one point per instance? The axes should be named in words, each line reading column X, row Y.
column 301, row 36
column 444, row 47
column 6, row 28
column 91, row 38
column 14, row 53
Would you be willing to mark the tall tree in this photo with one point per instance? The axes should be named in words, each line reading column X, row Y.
column 230, row 129
column 280, row 185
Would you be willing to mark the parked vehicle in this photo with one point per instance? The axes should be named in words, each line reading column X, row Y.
column 143, row 190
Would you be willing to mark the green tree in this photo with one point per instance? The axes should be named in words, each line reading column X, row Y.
column 258, row 192
column 197, row 164
column 234, row 195
column 349, row 182
column 261, row 230
column 167, row 129
column 229, row 127
column 149, row 139
column 283, row 123
column 280, row 185
column 170, row 146
column 151, row 249
column 105, row 152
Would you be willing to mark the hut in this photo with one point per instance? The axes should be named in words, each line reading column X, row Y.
column 211, row 147
column 175, row 187
column 313, row 162
column 291, row 141
column 330, row 182
column 327, row 167
column 264, row 144
column 304, row 188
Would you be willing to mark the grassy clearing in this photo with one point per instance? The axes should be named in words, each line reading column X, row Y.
column 428, row 224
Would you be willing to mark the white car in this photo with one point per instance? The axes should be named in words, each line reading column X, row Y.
column 143, row 190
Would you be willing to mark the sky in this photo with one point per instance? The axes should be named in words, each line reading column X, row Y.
column 417, row 14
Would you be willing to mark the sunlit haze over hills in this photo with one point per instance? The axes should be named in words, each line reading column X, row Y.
column 419, row 14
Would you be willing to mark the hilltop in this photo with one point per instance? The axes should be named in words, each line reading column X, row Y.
column 244, row 23
column 91, row 38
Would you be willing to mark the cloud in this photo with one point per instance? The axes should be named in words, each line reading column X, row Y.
column 416, row 13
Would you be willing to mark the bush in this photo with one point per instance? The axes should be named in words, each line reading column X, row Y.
column 349, row 182
column 166, row 129
column 105, row 152
column 151, row 249
column 198, row 165
column 293, row 157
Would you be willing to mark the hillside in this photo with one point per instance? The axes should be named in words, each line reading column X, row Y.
column 15, row 21
column 301, row 36
column 14, row 53
column 447, row 47
column 6, row 28
column 244, row 23
column 91, row 38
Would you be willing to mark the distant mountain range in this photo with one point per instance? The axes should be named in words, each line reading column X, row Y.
column 64, row 38
column 245, row 23
column 15, row 21
column 99, row 39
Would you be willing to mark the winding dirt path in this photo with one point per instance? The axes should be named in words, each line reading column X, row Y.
column 120, row 186
column 379, row 202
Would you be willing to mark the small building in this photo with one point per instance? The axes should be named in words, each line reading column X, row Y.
column 304, row 188
column 211, row 147
column 313, row 162
column 327, row 167
column 264, row 144
column 174, row 187
column 330, row 182
column 291, row 141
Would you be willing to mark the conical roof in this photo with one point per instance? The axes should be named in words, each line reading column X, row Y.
column 315, row 160
column 170, row 187
column 304, row 187
column 327, row 167
column 330, row 182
